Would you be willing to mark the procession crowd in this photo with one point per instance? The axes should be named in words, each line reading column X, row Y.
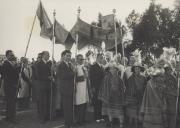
column 134, row 94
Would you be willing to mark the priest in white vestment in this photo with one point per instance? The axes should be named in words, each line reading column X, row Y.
column 81, row 91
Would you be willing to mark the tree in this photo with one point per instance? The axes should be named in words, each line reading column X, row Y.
column 132, row 20
column 145, row 34
column 155, row 30
column 166, row 29
column 176, row 23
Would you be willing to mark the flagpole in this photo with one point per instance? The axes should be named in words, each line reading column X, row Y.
column 177, row 99
column 52, row 67
column 54, row 18
column 27, row 46
column 115, row 31
column 77, row 38
column 122, row 45
column 121, row 34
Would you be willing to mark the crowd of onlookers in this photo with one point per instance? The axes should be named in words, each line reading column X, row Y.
column 136, row 95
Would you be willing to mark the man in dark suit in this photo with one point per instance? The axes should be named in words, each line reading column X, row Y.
column 43, row 77
column 34, row 79
column 10, row 74
column 65, row 76
column 96, row 75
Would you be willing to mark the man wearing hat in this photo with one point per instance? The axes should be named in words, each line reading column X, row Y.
column 135, row 87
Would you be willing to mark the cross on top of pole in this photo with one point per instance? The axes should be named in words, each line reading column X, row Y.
column 54, row 13
column 79, row 11
column 114, row 11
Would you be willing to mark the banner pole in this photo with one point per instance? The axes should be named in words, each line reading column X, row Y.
column 77, row 40
column 122, row 44
column 52, row 66
column 27, row 46
column 115, row 31
column 177, row 100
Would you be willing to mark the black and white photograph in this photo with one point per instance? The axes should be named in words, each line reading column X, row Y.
column 90, row 64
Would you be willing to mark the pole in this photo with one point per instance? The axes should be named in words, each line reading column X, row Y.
column 177, row 100
column 121, row 29
column 27, row 46
column 115, row 31
column 54, row 18
column 52, row 66
column 77, row 38
column 122, row 44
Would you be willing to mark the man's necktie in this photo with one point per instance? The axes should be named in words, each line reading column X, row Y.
column 69, row 65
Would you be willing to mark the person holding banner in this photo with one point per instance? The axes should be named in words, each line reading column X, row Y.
column 43, row 70
column 65, row 76
column 24, row 93
column 10, row 74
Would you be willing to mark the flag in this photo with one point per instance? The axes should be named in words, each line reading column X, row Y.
column 62, row 36
column 107, row 22
column 45, row 23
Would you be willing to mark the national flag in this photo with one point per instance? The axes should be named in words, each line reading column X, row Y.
column 62, row 36
column 45, row 23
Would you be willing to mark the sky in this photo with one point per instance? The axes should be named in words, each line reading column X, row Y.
column 17, row 18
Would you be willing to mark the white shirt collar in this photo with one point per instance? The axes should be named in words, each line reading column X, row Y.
column 10, row 62
column 44, row 61
column 67, row 63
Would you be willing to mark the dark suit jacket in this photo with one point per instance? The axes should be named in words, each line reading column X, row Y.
column 43, row 72
column 10, row 74
column 65, row 78
column 96, row 75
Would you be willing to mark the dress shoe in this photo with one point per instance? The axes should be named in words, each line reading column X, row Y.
column 98, row 121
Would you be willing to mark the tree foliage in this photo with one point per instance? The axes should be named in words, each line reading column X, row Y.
column 157, row 28
column 133, row 19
